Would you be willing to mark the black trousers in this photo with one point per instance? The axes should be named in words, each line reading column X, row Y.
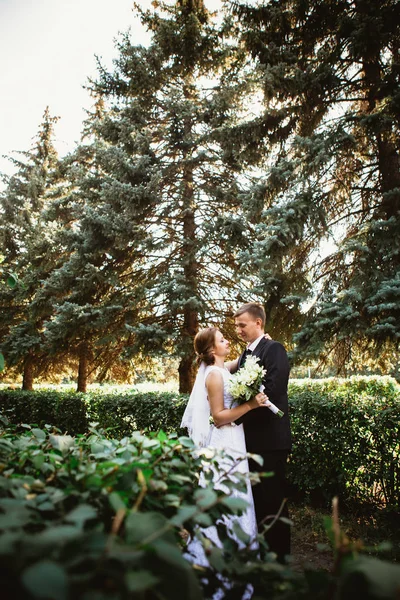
column 268, row 496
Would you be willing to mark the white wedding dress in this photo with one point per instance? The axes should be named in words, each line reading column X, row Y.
column 229, row 438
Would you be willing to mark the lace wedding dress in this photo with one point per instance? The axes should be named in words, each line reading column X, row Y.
column 229, row 438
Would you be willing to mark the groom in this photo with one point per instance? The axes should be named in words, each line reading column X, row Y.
column 267, row 434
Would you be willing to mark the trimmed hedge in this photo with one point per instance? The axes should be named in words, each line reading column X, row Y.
column 346, row 439
column 346, row 433
column 65, row 410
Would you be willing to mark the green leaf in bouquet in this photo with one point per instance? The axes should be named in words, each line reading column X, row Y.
column 2, row 362
column 46, row 579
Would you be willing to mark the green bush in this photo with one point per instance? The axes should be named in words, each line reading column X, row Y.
column 65, row 410
column 346, row 439
column 346, row 433
column 94, row 517
column 124, row 413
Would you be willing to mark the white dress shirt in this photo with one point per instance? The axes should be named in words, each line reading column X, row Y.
column 254, row 344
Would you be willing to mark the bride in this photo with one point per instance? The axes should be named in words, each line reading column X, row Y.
column 210, row 396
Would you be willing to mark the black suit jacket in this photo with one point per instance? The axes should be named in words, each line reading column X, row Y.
column 263, row 430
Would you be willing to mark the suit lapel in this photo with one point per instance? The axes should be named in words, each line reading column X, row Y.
column 261, row 346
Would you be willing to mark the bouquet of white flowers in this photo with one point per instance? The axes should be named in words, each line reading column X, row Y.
column 247, row 382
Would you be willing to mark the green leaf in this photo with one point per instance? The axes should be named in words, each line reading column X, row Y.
column 116, row 502
column 12, row 280
column 170, row 554
column 203, row 519
column 140, row 581
column 235, row 504
column 62, row 442
column 257, row 458
column 184, row 514
column 81, row 514
column 162, row 436
column 172, row 500
column 39, row 433
column 57, row 535
column 240, row 534
column 205, row 497
column 187, row 442
column 371, row 577
column 46, row 579
column 38, row 460
column 140, row 526
column 2, row 362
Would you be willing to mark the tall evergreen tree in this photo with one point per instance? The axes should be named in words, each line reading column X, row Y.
column 170, row 188
column 29, row 251
column 332, row 105
column 91, row 287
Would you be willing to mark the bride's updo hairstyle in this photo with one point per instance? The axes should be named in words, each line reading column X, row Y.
column 204, row 344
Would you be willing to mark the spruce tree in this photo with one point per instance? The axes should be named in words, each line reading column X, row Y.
column 331, row 96
column 28, row 251
column 91, row 286
column 170, row 192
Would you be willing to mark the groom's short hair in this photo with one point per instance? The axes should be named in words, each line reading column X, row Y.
column 254, row 309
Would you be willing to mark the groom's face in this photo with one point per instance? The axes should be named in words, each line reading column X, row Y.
column 248, row 328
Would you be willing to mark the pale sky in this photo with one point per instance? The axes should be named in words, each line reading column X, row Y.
column 47, row 52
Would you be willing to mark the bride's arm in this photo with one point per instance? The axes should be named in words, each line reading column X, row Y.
column 232, row 365
column 221, row 415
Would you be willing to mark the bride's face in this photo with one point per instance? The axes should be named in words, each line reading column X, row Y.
column 221, row 345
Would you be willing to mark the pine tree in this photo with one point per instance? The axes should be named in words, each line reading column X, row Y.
column 170, row 188
column 331, row 94
column 28, row 251
column 90, row 288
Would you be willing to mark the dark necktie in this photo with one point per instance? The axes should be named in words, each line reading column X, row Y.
column 246, row 353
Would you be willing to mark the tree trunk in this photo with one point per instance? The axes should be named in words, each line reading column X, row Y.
column 388, row 157
column 186, row 368
column 187, row 374
column 27, row 381
column 83, row 368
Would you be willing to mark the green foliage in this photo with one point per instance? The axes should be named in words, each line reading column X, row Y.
column 99, row 517
column 149, row 411
column 345, row 432
column 331, row 189
column 29, row 250
column 64, row 410
column 346, row 436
